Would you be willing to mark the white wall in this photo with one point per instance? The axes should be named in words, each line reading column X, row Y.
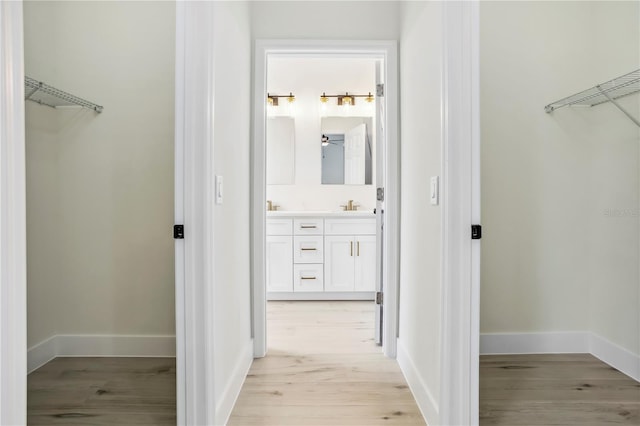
column 552, row 260
column 232, row 261
column 420, row 292
column 344, row 20
column 307, row 79
column 614, row 312
column 100, row 187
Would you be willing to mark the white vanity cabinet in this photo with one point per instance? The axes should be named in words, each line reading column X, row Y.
column 328, row 257
column 279, row 255
column 350, row 259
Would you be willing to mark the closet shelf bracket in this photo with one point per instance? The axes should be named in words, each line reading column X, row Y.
column 37, row 91
column 603, row 93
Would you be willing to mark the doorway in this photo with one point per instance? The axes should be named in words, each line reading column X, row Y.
column 307, row 250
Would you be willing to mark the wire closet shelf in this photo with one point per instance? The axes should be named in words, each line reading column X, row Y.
column 609, row 91
column 37, row 91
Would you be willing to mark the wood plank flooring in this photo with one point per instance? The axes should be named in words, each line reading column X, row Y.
column 103, row 391
column 567, row 389
column 323, row 368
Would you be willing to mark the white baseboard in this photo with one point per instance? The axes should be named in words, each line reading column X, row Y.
column 230, row 394
column 534, row 343
column 99, row 345
column 40, row 354
column 556, row 343
column 616, row 356
column 421, row 393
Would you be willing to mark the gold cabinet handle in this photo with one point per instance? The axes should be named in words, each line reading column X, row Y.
column 358, row 248
column 308, row 249
column 307, row 278
column 351, row 244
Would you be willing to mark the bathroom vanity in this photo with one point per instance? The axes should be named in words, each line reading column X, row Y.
column 320, row 255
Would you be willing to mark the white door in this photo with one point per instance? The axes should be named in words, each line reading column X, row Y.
column 279, row 263
column 339, row 263
column 365, row 263
column 354, row 155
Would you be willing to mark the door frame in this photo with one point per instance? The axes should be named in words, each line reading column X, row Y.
column 389, row 52
column 13, row 255
column 460, row 330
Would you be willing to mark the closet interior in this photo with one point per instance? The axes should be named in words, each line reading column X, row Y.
column 99, row 191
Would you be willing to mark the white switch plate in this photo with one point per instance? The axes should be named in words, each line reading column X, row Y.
column 218, row 189
column 435, row 190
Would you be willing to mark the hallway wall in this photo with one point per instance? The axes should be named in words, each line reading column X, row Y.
column 233, row 346
column 322, row 20
column 419, row 341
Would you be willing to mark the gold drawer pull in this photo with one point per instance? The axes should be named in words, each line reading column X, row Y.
column 351, row 245
column 307, row 278
column 308, row 249
column 308, row 226
column 358, row 248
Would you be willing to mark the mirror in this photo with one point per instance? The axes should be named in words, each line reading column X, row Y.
column 347, row 150
column 280, row 150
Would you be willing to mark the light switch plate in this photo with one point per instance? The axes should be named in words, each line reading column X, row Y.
column 219, row 189
column 435, row 190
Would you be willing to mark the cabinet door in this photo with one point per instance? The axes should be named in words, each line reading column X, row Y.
column 365, row 263
column 279, row 263
column 339, row 263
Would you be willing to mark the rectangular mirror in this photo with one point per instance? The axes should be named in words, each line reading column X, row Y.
column 347, row 150
column 280, row 151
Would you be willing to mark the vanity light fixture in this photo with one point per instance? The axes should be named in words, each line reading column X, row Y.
column 272, row 100
column 347, row 98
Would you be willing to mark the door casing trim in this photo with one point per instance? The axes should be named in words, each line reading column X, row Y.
column 387, row 50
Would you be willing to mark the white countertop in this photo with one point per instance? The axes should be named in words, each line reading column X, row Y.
column 318, row 213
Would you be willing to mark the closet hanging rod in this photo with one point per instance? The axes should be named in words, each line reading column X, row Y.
column 609, row 91
column 42, row 93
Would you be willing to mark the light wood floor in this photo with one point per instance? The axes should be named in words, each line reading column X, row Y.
column 103, row 391
column 574, row 389
column 323, row 368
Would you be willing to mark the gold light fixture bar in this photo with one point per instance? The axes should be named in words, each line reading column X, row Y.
column 273, row 99
column 347, row 98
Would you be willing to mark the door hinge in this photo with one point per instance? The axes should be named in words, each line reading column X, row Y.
column 379, row 90
column 476, row 232
column 178, row 232
column 379, row 298
column 380, row 194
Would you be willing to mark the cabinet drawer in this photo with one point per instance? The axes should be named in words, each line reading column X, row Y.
column 308, row 278
column 308, row 226
column 308, row 249
column 282, row 226
column 347, row 226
